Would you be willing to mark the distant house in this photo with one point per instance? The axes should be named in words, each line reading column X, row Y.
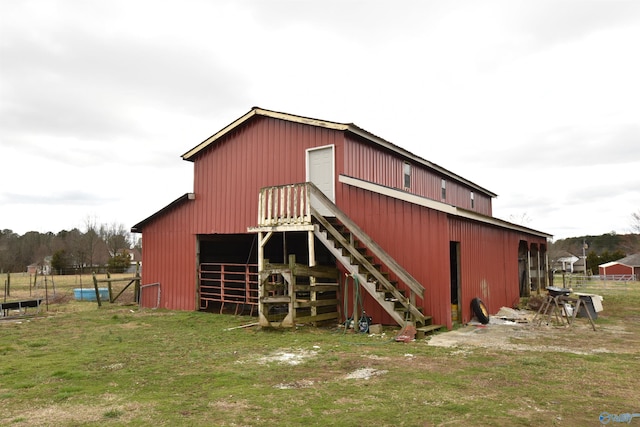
column 628, row 266
column 44, row 268
column 33, row 268
column 579, row 266
column 566, row 262
column 136, row 260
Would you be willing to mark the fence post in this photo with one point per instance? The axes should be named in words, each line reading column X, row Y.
column 136, row 286
column 95, row 285
column 109, row 287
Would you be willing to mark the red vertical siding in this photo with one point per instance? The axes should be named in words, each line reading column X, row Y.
column 227, row 180
column 370, row 163
column 228, row 177
column 415, row 236
column 488, row 264
column 266, row 152
column 168, row 257
column 615, row 269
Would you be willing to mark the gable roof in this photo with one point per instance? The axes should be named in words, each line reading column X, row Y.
column 630, row 261
column 185, row 197
column 564, row 255
column 344, row 127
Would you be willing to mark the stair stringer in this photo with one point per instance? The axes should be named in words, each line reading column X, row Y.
column 370, row 287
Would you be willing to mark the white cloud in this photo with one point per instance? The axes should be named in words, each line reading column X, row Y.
column 536, row 101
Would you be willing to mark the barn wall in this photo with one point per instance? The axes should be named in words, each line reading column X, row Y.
column 418, row 238
column 415, row 236
column 169, row 257
column 369, row 163
column 616, row 269
column 488, row 265
column 266, row 152
column 227, row 181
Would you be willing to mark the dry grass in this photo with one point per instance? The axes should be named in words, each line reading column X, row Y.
column 79, row 365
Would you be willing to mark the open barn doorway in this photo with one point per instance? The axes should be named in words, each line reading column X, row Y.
column 523, row 269
column 228, row 273
column 454, row 266
column 228, row 267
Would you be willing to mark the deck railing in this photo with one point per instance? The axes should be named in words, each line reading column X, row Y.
column 284, row 205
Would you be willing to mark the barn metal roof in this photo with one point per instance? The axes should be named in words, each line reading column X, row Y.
column 139, row 226
column 345, row 127
column 629, row 261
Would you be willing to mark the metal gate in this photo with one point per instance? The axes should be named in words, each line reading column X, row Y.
column 223, row 283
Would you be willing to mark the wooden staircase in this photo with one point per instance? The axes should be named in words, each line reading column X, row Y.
column 375, row 270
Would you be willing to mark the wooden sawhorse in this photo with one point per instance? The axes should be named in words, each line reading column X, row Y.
column 554, row 305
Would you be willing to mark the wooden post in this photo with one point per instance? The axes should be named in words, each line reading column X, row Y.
column 356, row 292
column 109, row 287
column 46, row 293
column 312, row 279
column 528, row 284
column 95, row 285
column 262, row 316
column 539, row 272
column 290, row 319
column 136, row 286
column 8, row 290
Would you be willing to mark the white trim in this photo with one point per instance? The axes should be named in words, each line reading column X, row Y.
column 333, row 167
column 255, row 111
column 435, row 205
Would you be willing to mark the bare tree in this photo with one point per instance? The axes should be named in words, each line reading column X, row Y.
column 635, row 222
column 520, row 219
column 116, row 237
column 86, row 246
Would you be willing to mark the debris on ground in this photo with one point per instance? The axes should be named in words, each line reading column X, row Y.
column 406, row 334
column 510, row 314
column 364, row 374
column 293, row 357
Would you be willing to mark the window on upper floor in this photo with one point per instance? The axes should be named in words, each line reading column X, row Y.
column 473, row 204
column 406, row 171
column 444, row 189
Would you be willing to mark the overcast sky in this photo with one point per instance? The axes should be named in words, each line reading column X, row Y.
column 537, row 101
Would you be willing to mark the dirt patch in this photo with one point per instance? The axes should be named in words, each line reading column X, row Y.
column 288, row 357
column 364, row 374
column 295, row 385
column 579, row 338
column 81, row 414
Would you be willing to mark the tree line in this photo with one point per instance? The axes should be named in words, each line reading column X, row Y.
column 97, row 246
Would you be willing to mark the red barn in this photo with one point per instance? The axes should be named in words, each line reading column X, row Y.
column 417, row 241
column 627, row 268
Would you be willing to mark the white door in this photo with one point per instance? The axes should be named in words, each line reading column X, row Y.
column 321, row 171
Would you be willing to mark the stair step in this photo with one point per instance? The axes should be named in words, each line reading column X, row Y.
column 423, row 330
column 388, row 295
column 346, row 252
column 341, row 242
column 394, row 284
column 402, row 309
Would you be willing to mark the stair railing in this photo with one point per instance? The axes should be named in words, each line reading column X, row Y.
column 375, row 249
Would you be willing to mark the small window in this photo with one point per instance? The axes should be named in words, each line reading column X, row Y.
column 444, row 189
column 473, row 204
column 407, row 175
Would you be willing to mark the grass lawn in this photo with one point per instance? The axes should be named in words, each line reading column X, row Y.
column 77, row 364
